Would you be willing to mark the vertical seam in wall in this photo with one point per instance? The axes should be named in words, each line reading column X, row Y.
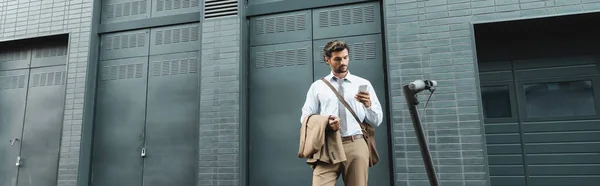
column 520, row 118
column 84, row 176
column 147, row 83
column 312, row 41
column 243, row 93
column 28, row 69
column 200, row 61
column 387, row 78
column 199, row 97
column 148, row 63
column 199, row 73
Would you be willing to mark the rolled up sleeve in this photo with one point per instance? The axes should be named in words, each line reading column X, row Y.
column 374, row 114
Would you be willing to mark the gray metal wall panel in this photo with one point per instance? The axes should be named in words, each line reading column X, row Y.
column 172, row 120
column 503, row 138
column 120, row 121
column 496, row 76
column 556, row 62
column 583, row 125
column 77, row 21
column 495, row 149
column 494, row 66
column 19, row 58
column 179, row 38
column 501, row 128
column 366, row 61
column 545, row 159
column 124, row 44
column 272, row 160
column 562, row 148
column 559, row 137
column 348, row 20
column 565, row 136
column 563, row 180
column 281, row 28
column 564, row 71
column 563, row 170
column 49, row 55
column 515, row 170
column 174, row 7
column 508, row 180
column 124, row 10
column 43, row 127
column 13, row 92
column 514, row 159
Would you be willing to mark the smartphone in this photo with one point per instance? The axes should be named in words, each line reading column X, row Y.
column 362, row 88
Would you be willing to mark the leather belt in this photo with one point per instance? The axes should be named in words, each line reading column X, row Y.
column 352, row 138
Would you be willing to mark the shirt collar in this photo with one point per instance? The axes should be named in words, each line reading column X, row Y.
column 349, row 77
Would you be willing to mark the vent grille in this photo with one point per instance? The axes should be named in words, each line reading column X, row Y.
column 166, row 5
column 12, row 82
column 278, row 24
column 175, row 67
column 124, row 41
column 47, row 79
column 126, row 9
column 124, row 71
column 270, row 59
column 220, row 8
column 346, row 16
column 51, row 51
column 13, row 55
column 359, row 51
column 177, row 35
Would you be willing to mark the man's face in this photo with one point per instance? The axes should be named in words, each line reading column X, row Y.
column 339, row 61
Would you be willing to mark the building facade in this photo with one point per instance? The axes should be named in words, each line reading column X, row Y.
column 209, row 92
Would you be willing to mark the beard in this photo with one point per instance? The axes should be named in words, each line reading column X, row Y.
column 341, row 69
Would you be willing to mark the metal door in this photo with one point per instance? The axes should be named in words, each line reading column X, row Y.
column 281, row 73
column 279, row 85
column 119, row 126
column 541, row 120
column 366, row 61
column 13, row 94
column 43, row 125
column 172, row 120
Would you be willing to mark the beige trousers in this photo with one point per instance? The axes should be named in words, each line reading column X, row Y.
column 355, row 170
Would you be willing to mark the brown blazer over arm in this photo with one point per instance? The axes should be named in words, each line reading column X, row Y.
column 319, row 144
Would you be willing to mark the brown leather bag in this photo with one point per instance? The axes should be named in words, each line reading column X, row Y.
column 367, row 129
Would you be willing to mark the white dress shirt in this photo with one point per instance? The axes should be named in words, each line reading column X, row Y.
column 322, row 100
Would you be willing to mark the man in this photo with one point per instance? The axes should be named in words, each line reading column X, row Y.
column 321, row 100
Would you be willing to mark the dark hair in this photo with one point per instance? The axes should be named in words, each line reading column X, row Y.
column 334, row 46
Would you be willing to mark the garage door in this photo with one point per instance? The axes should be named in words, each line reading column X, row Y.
column 285, row 59
column 541, row 121
column 32, row 97
column 147, row 111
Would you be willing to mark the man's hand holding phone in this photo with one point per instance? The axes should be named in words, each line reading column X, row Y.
column 363, row 96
